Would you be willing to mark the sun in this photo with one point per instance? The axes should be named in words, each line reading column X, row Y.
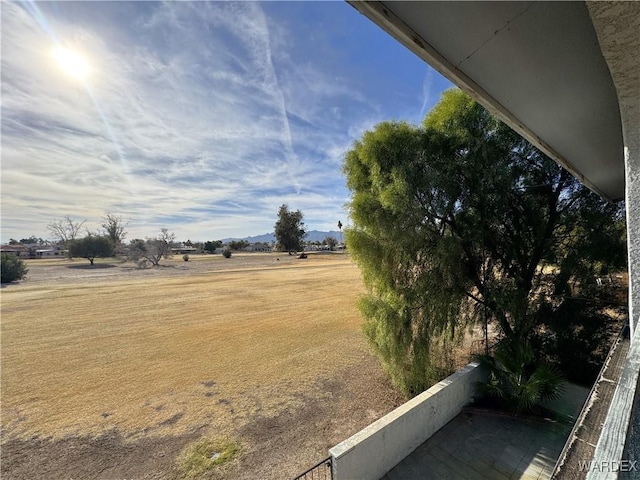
column 71, row 62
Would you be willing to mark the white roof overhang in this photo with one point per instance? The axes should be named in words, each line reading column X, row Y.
column 537, row 65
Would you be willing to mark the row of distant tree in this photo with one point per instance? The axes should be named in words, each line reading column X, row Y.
column 109, row 239
column 66, row 229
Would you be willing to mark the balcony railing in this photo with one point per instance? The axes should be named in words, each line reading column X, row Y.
column 320, row 471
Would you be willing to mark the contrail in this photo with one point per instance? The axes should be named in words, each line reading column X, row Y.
column 264, row 52
column 426, row 91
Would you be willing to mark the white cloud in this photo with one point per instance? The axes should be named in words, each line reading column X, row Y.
column 194, row 114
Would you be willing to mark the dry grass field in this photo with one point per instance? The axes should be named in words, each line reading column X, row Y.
column 108, row 372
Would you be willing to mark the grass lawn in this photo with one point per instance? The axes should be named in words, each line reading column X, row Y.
column 162, row 354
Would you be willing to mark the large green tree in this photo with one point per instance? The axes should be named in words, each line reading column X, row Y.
column 289, row 229
column 454, row 222
column 211, row 246
column 91, row 247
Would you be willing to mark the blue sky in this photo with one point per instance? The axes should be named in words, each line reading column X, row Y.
column 200, row 117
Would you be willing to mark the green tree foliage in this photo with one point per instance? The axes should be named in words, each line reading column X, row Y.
column 91, row 247
column 12, row 268
column 152, row 250
column 32, row 240
column 238, row 244
column 577, row 333
column 211, row 247
column 453, row 222
column 289, row 229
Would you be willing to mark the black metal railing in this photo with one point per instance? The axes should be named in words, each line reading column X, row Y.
column 320, row 471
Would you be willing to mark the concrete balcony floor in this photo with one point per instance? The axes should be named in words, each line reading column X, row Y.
column 486, row 446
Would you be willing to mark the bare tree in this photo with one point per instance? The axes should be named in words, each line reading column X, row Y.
column 152, row 250
column 65, row 229
column 331, row 243
column 114, row 226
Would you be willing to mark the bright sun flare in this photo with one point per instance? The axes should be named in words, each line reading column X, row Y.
column 71, row 62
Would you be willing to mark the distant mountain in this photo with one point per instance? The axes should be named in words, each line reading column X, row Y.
column 312, row 236
column 267, row 237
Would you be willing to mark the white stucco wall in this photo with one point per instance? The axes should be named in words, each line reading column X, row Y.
column 375, row 450
column 632, row 162
column 616, row 25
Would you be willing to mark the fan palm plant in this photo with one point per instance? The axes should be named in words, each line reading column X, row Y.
column 517, row 379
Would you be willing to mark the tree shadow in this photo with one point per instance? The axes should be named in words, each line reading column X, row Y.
column 13, row 283
column 91, row 267
column 153, row 267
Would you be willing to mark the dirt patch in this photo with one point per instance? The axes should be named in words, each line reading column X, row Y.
column 275, row 447
column 107, row 456
column 289, row 443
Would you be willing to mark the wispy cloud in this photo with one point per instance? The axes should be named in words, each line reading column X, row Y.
column 202, row 117
column 427, row 85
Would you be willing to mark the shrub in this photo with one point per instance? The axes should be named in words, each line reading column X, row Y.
column 151, row 250
column 13, row 268
column 185, row 257
column 227, row 253
column 517, row 378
